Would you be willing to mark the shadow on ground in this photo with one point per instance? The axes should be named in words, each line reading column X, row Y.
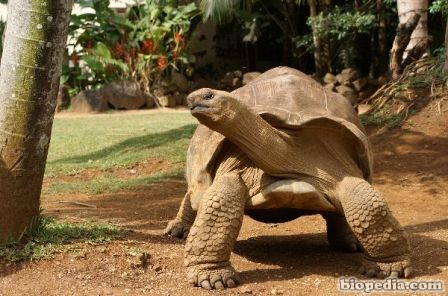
column 134, row 144
column 296, row 256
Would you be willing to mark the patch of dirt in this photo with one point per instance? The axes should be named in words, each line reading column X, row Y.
column 411, row 170
column 143, row 168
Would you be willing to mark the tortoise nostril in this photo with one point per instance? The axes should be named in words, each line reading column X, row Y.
column 208, row 96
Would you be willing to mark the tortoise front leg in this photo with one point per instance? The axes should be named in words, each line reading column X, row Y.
column 384, row 241
column 214, row 233
column 180, row 226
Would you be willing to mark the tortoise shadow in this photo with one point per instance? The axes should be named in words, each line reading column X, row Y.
column 296, row 256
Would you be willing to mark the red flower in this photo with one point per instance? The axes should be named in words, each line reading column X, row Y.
column 162, row 63
column 179, row 40
column 118, row 48
column 126, row 56
column 178, row 37
column 148, row 46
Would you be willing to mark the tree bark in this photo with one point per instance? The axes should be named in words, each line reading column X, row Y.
column 382, row 38
column 321, row 66
column 406, row 8
column 445, row 66
column 404, row 32
column 36, row 37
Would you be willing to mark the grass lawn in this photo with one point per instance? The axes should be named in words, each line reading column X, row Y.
column 106, row 142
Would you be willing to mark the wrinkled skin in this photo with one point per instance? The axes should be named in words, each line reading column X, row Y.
column 363, row 222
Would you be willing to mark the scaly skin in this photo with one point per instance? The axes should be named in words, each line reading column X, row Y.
column 214, row 233
column 180, row 226
column 384, row 241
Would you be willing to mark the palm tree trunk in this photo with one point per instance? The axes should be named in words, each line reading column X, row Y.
column 36, row 37
column 405, row 9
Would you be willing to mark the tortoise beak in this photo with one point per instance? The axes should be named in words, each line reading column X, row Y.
column 197, row 101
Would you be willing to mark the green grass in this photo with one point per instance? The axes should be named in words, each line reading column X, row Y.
column 51, row 236
column 107, row 141
column 104, row 142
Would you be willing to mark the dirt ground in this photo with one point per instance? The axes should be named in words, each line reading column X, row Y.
column 411, row 170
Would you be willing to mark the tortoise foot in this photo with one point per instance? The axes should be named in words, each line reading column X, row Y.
column 213, row 278
column 177, row 228
column 394, row 269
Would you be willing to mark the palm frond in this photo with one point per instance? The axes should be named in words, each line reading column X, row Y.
column 220, row 11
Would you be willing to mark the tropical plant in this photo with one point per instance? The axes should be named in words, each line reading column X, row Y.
column 338, row 29
column 143, row 45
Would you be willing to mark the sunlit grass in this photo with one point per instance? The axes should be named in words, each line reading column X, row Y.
column 50, row 236
column 108, row 141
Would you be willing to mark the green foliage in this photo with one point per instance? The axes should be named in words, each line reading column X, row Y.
column 340, row 25
column 143, row 45
column 338, row 29
column 388, row 120
column 439, row 6
column 49, row 236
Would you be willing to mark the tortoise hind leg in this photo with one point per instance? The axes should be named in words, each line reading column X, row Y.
column 339, row 234
column 180, row 226
column 383, row 240
column 214, row 233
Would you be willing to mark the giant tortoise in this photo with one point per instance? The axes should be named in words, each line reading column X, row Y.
column 275, row 149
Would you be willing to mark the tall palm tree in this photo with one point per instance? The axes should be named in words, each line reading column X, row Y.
column 36, row 36
column 405, row 9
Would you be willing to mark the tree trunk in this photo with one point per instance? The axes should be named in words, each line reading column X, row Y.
column 405, row 10
column 404, row 33
column 321, row 66
column 382, row 38
column 36, row 37
column 445, row 67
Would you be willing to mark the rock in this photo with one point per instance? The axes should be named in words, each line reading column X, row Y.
column 360, row 83
column 363, row 108
column 383, row 80
column 249, row 76
column 180, row 81
column 180, row 98
column 124, row 95
column 232, row 80
column 164, row 88
column 329, row 78
column 330, row 86
column 167, row 101
column 347, row 92
column 63, row 99
column 149, row 102
column 89, row 101
column 350, row 74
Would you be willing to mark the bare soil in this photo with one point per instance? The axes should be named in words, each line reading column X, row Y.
column 411, row 170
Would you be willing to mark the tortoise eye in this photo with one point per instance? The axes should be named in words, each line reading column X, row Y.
column 208, row 96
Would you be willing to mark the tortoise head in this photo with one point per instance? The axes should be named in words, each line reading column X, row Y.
column 213, row 107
